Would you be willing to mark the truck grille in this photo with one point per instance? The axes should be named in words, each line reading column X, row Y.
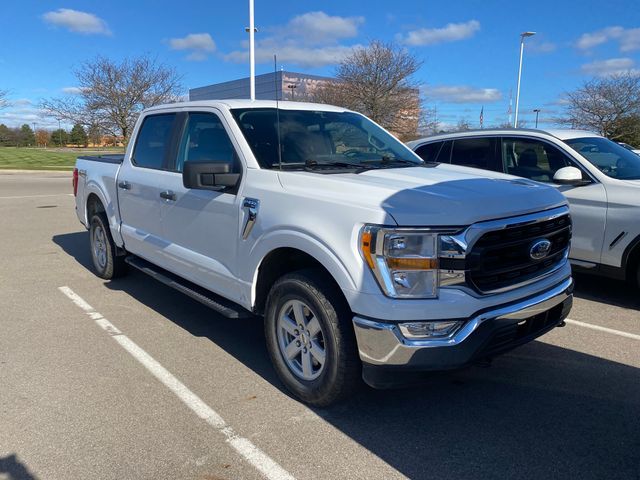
column 502, row 258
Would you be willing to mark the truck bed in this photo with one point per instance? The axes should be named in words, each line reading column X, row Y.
column 116, row 158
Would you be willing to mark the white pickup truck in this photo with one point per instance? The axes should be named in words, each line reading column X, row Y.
column 363, row 260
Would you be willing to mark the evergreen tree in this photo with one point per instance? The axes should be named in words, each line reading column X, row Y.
column 27, row 137
column 59, row 138
column 78, row 136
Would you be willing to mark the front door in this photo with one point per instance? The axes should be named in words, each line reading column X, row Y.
column 539, row 160
column 202, row 226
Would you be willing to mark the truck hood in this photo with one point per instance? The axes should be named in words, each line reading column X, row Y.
column 444, row 195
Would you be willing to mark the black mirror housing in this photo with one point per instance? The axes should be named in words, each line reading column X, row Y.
column 214, row 176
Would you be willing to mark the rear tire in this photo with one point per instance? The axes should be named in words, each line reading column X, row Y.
column 310, row 338
column 103, row 249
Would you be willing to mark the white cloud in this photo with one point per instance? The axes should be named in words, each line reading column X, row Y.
column 463, row 94
column 452, row 32
column 541, row 47
column 317, row 27
column 612, row 66
column 628, row 38
column 200, row 45
column 76, row 21
column 72, row 90
column 308, row 40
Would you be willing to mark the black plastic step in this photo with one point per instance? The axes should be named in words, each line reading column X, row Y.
column 215, row 302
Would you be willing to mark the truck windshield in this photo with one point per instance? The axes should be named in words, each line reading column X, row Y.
column 610, row 158
column 315, row 139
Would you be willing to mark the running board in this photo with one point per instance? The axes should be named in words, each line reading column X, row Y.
column 215, row 302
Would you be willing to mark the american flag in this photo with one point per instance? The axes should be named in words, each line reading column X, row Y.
column 482, row 117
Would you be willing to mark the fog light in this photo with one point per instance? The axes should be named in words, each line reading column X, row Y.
column 417, row 330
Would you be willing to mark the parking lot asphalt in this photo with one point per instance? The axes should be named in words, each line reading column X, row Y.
column 75, row 404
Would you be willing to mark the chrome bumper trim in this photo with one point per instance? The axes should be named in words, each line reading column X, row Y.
column 381, row 343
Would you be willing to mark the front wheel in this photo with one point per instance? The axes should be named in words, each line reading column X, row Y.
column 103, row 249
column 310, row 338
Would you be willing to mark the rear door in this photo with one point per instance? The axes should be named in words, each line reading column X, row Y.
column 140, row 182
column 202, row 226
column 539, row 160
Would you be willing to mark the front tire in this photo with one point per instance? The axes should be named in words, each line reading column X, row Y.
column 103, row 249
column 310, row 338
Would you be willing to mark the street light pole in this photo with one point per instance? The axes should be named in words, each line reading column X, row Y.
column 537, row 110
column 252, row 54
column 60, row 132
column 523, row 35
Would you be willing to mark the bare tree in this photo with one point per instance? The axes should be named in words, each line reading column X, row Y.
column 609, row 106
column 111, row 95
column 377, row 80
column 463, row 125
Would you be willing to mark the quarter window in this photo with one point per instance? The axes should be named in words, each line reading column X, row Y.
column 474, row 152
column 205, row 140
column 532, row 159
column 429, row 152
column 153, row 142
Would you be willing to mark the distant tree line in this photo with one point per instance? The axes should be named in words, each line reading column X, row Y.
column 24, row 136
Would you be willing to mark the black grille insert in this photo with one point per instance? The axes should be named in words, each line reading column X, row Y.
column 501, row 258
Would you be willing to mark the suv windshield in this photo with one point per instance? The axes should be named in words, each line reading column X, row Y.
column 316, row 139
column 610, row 158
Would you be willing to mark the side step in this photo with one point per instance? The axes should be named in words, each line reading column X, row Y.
column 215, row 302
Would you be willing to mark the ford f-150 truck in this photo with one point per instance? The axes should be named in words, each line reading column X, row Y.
column 363, row 260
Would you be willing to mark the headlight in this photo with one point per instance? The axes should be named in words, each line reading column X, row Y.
column 404, row 261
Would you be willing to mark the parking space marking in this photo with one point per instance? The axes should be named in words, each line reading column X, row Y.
column 252, row 454
column 602, row 329
column 37, row 196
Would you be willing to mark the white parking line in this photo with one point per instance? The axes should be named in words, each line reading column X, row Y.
column 38, row 196
column 602, row 329
column 252, row 454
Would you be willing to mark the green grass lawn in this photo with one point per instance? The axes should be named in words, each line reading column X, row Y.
column 46, row 158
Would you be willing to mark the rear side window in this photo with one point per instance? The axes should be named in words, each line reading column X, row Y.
column 475, row 152
column 153, row 142
column 429, row 152
column 205, row 140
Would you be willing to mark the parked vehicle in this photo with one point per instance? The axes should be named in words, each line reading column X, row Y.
column 363, row 260
column 600, row 179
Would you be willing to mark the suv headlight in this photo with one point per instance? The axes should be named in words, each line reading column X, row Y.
column 404, row 261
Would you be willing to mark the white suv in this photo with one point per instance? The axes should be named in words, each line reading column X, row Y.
column 600, row 178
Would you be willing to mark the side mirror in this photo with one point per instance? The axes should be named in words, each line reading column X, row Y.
column 209, row 176
column 569, row 176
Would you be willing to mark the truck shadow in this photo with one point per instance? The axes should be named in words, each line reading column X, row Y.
column 11, row 468
column 606, row 290
column 542, row 411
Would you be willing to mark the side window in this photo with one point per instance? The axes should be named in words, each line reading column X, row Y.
column 206, row 140
column 153, row 142
column 474, row 152
column 429, row 152
column 532, row 159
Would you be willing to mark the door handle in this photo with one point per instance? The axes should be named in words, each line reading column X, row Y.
column 253, row 207
column 124, row 185
column 168, row 195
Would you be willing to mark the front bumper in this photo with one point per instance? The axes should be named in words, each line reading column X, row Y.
column 384, row 351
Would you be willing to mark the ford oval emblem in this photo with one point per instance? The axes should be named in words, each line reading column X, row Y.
column 540, row 249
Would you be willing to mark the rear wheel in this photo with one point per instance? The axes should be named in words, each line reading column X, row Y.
column 310, row 338
column 103, row 249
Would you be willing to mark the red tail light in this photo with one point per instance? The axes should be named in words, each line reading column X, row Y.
column 75, row 182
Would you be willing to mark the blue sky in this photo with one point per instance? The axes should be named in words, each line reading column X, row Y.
column 469, row 48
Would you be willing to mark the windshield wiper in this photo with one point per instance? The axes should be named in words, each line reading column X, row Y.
column 357, row 167
column 385, row 160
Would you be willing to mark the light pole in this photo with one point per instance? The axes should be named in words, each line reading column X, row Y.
column 252, row 53
column 35, row 140
column 523, row 35
column 537, row 110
